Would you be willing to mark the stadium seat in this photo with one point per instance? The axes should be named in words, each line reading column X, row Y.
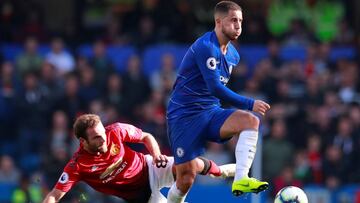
column 43, row 49
column 30, row 162
column 152, row 56
column 252, row 54
column 346, row 193
column 293, row 53
column 6, row 190
column 11, row 51
column 342, row 53
column 119, row 55
column 8, row 147
column 316, row 193
column 85, row 50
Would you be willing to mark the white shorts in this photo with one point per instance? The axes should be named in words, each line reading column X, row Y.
column 159, row 178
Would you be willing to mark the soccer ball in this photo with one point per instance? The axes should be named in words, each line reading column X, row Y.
column 291, row 194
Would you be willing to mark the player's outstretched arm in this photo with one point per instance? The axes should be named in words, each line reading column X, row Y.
column 54, row 196
column 261, row 107
column 153, row 147
column 205, row 57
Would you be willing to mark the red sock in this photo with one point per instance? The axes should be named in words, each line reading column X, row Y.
column 214, row 169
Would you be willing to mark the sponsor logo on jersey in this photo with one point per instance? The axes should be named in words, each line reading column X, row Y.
column 180, row 152
column 64, row 178
column 110, row 170
column 211, row 63
column 113, row 175
column 115, row 149
column 224, row 79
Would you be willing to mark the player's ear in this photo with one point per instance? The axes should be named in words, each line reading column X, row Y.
column 82, row 140
column 217, row 20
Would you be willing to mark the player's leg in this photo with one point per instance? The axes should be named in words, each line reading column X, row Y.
column 185, row 177
column 165, row 176
column 245, row 125
column 187, row 143
column 159, row 177
column 187, row 139
column 186, row 173
column 209, row 167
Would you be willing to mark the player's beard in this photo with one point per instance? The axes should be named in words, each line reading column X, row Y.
column 230, row 34
column 98, row 149
column 102, row 149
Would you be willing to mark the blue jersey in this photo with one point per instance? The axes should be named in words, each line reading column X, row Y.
column 202, row 78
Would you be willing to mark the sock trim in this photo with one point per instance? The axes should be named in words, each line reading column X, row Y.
column 207, row 165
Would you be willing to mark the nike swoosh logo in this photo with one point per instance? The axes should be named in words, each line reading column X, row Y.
column 245, row 185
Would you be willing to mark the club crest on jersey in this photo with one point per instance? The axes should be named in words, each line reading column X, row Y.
column 93, row 168
column 64, row 178
column 180, row 152
column 211, row 63
column 114, row 150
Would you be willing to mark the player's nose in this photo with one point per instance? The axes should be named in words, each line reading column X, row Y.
column 102, row 140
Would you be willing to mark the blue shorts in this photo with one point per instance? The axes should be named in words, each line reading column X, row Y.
column 188, row 135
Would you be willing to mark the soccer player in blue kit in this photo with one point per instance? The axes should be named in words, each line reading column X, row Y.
column 194, row 114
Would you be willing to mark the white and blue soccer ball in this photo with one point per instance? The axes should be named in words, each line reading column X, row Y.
column 291, row 194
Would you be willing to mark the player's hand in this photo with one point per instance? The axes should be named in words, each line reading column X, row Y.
column 261, row 107
column 160, row 161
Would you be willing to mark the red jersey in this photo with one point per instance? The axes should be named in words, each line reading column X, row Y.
column 120, row 171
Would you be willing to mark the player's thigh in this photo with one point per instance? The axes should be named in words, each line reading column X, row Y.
column 217, row 118
column 186, row 136
column 160, row 177
column 238, row 121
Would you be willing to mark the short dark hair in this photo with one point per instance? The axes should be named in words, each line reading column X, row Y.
column 225, row 6
column 83, row 122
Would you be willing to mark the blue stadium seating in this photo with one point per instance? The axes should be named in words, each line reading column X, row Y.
column 119, row 55
column 346, row 194
column 151, row 57
column 342, row 52
column 251, row 55
column 6, row 190
column 30, row 162
column 85, row 50
column 10, row 51
column 293, row 53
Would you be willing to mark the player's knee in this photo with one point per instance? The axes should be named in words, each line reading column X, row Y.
column 252, row 121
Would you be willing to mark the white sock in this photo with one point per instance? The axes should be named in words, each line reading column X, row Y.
column 175, row 195
column 245, row 152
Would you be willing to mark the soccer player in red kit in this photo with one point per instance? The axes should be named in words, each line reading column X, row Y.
column 107, row 164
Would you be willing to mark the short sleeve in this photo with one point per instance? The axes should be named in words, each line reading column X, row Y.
column 128, row 133
column 68, row 178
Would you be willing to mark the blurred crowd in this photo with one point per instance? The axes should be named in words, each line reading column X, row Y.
column 144, row 22
column 311, row 134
